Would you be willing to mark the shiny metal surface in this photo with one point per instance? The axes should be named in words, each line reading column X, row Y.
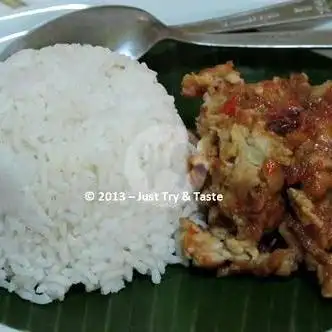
column 287, row 39
column 125, row 29
column 133, row 32
column 285, row 13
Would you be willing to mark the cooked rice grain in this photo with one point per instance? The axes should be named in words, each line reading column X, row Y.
column 69, row 115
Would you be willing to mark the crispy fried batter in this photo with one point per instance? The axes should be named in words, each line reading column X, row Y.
column 314, row 233
column 311, row 172
column 256, row 141
column 243, row 157
column 217, row 248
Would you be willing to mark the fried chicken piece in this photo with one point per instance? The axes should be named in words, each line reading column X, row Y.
column 311, row 172
column 256, row 140
column 196, row 85
column 244, row 157
column 216, row 248
column 314, row 231
column 311, row 143
column 247, row 170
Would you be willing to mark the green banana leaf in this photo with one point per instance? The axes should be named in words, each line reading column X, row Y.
column 188, row 300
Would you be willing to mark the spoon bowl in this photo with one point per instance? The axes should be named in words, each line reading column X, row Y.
column 133, row 32
column 127, row 30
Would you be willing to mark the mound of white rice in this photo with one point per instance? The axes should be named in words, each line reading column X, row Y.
column 76, row 119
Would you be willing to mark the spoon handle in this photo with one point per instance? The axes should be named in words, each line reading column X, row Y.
column 289, row 39
column 285, row 13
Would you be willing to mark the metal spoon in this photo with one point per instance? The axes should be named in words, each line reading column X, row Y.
column 284, row 13
column 133, row 33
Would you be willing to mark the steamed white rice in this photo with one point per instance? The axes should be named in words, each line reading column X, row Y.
column 75, row 119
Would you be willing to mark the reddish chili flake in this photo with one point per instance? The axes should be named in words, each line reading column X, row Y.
column 270, row 167
column 229, row 107
column 293, row 103
column 216, row 163
column 192, row 230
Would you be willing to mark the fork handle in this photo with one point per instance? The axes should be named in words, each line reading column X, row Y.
column 289, row 12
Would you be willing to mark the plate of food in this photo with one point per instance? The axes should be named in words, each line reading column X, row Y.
column 187, row 191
